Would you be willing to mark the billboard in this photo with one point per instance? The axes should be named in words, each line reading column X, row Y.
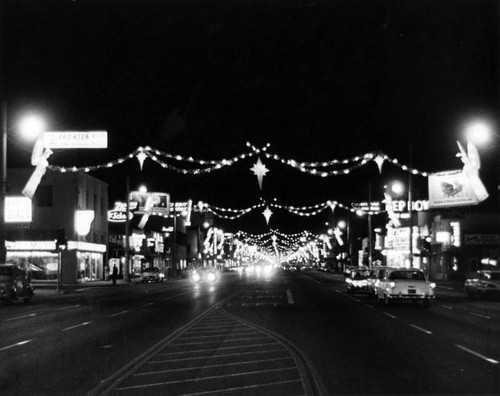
column 155, row 203
column 450, row 188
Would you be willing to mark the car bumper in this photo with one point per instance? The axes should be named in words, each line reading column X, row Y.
column 412, row 296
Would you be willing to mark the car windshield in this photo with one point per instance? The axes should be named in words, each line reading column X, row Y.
column 407, row 275
column 493, row 276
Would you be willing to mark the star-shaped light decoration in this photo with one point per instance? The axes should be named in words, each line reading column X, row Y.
column 332, row 205
column 267, row 214
column 260, row 170
column 380, row 161
column 141, row 156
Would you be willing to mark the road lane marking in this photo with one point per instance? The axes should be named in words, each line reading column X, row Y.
column 445, row 287
column 477, row 354
column 176, row 295
column 370, row 306
column 421, row 329
column 14, row 345
column 289, row 297
column 75, row 326
column 389, row 315
column 20, row 317
column 63, row 308
column 146, row 305
column 480, row 316
column 176, row 370
column 317, row 281
column 446, row 307
column 119, row 313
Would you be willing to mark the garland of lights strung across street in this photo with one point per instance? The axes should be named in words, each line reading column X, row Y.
column 322, row 169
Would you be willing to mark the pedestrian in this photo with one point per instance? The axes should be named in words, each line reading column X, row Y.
column 114, row 275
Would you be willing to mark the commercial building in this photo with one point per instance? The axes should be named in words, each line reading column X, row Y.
column 57, row 208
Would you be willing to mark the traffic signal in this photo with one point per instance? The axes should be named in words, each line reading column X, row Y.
column 61, row 241
column 425, row 244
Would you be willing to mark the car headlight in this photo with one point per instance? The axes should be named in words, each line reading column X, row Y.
column 392, row 285
column 211, row 277
column 196, row 277
column 432, row 285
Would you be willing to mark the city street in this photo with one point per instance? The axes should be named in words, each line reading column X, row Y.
column 293, row 333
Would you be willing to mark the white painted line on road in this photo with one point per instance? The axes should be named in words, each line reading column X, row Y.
column 119, row 313
column 370, row 306
column 78, row 325
column 317, row 281
column 421, row 329
column 175, row 295
column 477, row 354
column 446, row 307
column 20, row 317
column 64, row 308
column 289, row 297
column 146, row 305
column 389, row 315
column 14, row 345
column 480, row 316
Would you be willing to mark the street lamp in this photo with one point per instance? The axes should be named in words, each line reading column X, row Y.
column 32, row 125
column 479, row 131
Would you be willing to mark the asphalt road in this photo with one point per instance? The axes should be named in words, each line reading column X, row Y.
column 293, row 333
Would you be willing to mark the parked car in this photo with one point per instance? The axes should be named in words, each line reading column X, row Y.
column 152, row 274
column 483, row 284
column 14, row 284
column 375, row 276
column 405, row 284
column 357, row 282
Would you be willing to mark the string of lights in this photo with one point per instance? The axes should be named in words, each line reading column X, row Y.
column 201, row 166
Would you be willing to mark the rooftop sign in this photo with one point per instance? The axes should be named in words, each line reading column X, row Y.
column 73, row 139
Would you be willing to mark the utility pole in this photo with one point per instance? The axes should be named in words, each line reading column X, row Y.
column 126, row 276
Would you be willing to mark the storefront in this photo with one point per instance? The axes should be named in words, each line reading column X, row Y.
column 81, row 262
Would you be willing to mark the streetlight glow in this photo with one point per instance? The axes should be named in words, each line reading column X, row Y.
column 478, row 132
column 397, row 188
column 32, row 126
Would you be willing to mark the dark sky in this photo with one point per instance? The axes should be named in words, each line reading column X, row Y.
column 318, row 80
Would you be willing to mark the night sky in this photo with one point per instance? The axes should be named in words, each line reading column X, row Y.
column 318, row 80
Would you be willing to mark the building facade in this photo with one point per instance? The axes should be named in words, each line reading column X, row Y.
column 58, row 199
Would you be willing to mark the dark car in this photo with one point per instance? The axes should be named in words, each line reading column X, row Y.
column 152, row 274
column 14, row 284
column 483, row 284
column 357, row 282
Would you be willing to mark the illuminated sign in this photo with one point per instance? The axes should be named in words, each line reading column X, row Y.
column 86, row 246
column 30, row 245
column 417, row 205
column 154, row 203
column 83, row 221
column 72, row 139
column 17, row 210
column 373, row 206
column 482, row 239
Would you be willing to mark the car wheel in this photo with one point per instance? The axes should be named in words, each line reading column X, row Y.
column 387, row 300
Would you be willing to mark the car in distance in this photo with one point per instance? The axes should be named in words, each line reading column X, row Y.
column 405, row 284
column 205, row 275
column 152, row 274
column 375, row 275
column 484, row 284
column 14, row 284
column 357, row 281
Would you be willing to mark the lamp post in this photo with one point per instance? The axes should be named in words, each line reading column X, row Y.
column 30, row 125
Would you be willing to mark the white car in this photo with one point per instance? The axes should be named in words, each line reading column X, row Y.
column 405, row 284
